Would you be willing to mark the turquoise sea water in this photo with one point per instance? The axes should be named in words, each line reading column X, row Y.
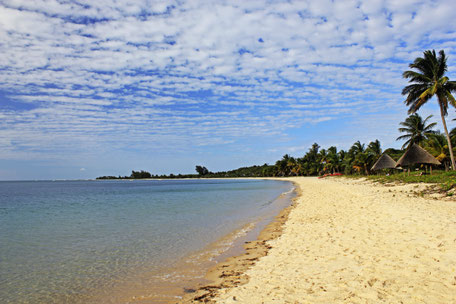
column 60, row 241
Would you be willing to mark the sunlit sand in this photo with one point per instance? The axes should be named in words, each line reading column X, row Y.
column 349, row 241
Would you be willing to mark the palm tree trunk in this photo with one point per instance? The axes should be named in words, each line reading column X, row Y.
column 453, row 166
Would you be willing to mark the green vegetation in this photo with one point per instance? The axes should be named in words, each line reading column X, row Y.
column 358, row 160
column 202, row 170
column 253, row 171
column 427, row 79
column 134, row 175
column 140, row 174
column 416, row 131
column 446, row 179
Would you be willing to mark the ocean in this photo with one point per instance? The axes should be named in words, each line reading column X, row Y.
column 117, row 241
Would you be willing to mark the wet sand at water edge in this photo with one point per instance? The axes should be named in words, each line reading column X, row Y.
column 345, row 241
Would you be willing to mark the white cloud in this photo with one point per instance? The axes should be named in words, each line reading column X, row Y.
column 119, row 75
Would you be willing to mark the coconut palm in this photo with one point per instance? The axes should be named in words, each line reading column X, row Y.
column 374, row 148
column 282, row 165
column 342, row 162
column 374, row 151
column 333, row 160
column 415, row 129
column 438, row 147
column 358, row 157
column 427, row 81
column 310, row 160
column 453, row 135
column 357, row 147
column 322, row 157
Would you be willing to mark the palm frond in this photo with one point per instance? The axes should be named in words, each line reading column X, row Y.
column 432, row 62
column 414, row 92
column 422, row 65
column 429, row 91
column 442, row 64
column 406, row 144
column 441, row 82
column 453, row 133
column 427, row 118
column 418, row 103
column 403, row 130
column 415, row 89
column 450, row 86
column 443, row 102
column 429, row 127
column 416, row 77
column 451, row 98
column 407, row 136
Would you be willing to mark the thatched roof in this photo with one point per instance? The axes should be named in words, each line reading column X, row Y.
column 384, row 162
column 416, row 155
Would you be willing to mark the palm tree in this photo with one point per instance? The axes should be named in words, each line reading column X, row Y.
column 282, row 165
column 292, row 167
column 438, row 146
column 333, row 159
column 416, row 130
column 358, row 157
column 286, row 166
column 374, row 151
column 374, row 148
column 322, row 157
column 453, row 135
column 342, row 162
column 430, row 81
column 357, row 147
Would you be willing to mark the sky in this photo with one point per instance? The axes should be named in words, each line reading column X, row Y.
column 90, row 88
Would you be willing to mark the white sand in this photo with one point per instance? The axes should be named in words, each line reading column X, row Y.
column 348, row 241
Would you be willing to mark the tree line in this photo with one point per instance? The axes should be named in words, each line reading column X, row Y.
column 357, row 160
column 426, row 80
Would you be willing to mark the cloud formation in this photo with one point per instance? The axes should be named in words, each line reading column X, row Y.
column 87, row 77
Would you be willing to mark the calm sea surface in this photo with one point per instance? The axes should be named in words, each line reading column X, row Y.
column 60, row 241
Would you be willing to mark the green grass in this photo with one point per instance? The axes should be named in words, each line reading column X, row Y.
column 446, row 180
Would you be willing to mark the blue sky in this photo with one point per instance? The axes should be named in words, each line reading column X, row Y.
column 89, row 88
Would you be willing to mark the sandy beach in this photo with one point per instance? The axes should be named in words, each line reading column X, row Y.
column 346, row 241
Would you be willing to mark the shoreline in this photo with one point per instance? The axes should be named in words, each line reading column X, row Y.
column 230, row 272
column 349, row 241
column 174, row 283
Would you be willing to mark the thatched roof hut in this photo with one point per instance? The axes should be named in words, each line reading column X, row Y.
column 416, row 155
column 384, row 162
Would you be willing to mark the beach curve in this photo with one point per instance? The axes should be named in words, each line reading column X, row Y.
column 349, row 241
